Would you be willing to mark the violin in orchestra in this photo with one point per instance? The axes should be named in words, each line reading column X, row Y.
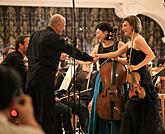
column 136, row 90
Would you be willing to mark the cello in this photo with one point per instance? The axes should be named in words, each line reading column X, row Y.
column 113, row 75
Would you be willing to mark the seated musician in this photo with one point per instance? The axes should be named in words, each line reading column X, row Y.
column 66, row 106
column 65, row 113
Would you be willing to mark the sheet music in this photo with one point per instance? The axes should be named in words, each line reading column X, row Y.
column 68, row 77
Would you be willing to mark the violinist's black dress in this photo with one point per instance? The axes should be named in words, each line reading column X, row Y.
column 142, row 116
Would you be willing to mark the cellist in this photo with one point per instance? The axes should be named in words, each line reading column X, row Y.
column 141, row 114
column 104, row 34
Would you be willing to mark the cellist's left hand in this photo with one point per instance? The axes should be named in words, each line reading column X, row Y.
column 132, row 68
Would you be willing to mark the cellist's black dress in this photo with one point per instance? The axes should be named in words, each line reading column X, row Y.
column 96, row 124
column 142, row 116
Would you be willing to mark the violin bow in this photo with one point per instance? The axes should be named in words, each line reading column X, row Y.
column 130, row 54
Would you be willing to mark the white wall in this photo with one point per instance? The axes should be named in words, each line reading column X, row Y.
column 152, row 8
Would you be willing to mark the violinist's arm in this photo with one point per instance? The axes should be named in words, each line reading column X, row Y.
column 120, row 45
column 122, row 59
column 143, row 46
column 115, row 54
column 94, row 51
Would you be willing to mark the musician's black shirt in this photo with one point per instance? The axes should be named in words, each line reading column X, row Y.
column 16, row 61
column 45, row 50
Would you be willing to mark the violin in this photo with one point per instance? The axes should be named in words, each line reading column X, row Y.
column 136, row 90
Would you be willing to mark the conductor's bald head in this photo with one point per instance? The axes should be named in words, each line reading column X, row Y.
column 57, row 23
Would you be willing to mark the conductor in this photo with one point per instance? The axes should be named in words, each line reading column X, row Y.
column 44, row 52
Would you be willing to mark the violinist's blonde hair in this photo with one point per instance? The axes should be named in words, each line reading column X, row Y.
column 135, row 22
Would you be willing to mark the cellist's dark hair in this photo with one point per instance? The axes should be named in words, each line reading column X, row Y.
column 105, row 26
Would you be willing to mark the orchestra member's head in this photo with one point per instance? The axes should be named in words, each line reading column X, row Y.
column 22, row 43
column 57, row 23
column 131, row 25
column 104, row 31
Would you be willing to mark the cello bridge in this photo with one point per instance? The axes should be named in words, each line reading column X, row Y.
column 113, row 92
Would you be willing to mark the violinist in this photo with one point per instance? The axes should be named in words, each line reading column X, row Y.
column 104, row 34
column 141, row 114
column 45, row 48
